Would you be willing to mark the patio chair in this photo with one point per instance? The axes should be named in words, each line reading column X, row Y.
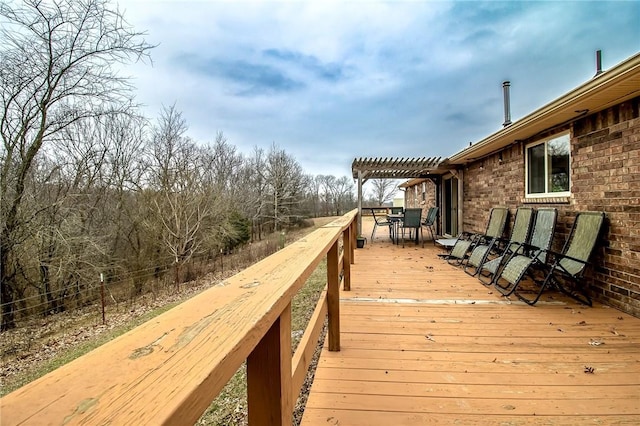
column 566, row 267
column 396, row 210
column 430, row 222
column 537, row 245
column 412, row 221
column 379, row 221
column 519, row 234
column 466, row 241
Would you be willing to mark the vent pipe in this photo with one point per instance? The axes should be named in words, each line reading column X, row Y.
column 507, row 103
column 598, row 63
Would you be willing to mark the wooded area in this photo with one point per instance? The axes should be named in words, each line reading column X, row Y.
column 89, row 186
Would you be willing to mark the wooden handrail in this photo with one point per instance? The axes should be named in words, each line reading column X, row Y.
column 169, row 369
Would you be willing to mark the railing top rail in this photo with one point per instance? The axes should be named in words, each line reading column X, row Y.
column 170, row 368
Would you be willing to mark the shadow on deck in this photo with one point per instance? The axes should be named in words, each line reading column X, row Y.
column 424, row 343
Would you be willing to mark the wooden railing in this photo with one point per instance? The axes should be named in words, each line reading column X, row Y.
column 170, row 369
column 382, row 210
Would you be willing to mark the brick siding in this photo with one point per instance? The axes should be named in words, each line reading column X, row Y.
column 413, row 196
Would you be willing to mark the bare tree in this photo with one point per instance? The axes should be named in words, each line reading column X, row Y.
column 254, row 181
column 327, row 182
column 313, row 195
column 383, row 190
column 342, row 194
column 224, row 163
column 181, row 205
column 58, row 64
column 285, row 181
column 192, row 195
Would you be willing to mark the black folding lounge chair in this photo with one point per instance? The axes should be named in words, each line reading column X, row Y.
column 564, row 270
column 519, row 234
column 539, row 241
column 430, row 222
column 412, row 219
column 467, row 241
column 378, row 221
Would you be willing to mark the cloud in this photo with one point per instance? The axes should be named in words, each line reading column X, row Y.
column 329, row 81
column 251, row 78
column 330, row 72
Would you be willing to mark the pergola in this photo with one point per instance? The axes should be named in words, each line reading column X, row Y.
column 364, row 169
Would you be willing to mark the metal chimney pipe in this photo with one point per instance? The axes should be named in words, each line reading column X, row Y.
column 507, row 103
column 598, row 62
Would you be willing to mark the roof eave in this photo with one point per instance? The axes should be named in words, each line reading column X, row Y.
column 593, row 96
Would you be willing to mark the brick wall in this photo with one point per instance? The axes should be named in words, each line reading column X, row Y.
column 494, row 181
column 414, row 197
column 605, row 176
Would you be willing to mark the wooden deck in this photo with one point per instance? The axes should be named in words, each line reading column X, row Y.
column 424, row 343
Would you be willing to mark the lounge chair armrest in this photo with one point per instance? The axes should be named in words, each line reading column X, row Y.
column 559, row 256
column 531, row 248
column 464, row 235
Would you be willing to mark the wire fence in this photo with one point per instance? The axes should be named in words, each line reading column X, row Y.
column 38, row 335
column 125, row 291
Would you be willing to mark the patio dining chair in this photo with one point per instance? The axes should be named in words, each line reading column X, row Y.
column 564, row 270
column 412, row 221
column 466, row 241
column 430, row 223
column 379, row 221
column 519, row 234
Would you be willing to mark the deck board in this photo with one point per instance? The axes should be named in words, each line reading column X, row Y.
column 424, row 343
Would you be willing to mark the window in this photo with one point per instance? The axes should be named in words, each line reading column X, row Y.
column 547, row 171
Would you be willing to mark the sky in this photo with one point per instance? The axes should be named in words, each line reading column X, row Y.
column 331, row 81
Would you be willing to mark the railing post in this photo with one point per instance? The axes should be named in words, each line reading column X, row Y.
column 333, row 297
column 353, row 240
column 347, row 255
column 269, row 388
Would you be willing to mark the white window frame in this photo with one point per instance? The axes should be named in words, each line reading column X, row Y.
column 545, row 194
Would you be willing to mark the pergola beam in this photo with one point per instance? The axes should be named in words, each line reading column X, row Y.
column 364, row 169
column 394, row 168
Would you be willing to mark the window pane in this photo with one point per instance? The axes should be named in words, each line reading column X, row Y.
column 535, row 157
column 558, row 163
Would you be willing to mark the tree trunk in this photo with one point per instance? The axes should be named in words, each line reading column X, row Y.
column 7, row 291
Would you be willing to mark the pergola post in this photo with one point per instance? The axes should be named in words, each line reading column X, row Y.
column 359, row 202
